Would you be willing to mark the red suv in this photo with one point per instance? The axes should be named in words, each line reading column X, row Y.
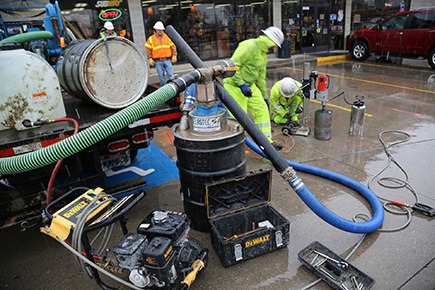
column 407, row 34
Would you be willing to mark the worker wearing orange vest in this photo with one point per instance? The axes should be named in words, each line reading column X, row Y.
column 161, row 52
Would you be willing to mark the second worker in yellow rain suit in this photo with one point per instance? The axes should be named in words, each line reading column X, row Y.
column 286, row 101
column 248, row 85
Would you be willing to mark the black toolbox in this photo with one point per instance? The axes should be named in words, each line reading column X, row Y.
column 333, row 269
column 243, row 223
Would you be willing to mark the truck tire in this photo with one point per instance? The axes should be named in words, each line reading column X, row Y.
column 133, row 153
column 360, row 50
column 431, row 58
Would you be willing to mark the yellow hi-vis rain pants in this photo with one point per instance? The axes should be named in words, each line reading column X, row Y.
column 256, row 105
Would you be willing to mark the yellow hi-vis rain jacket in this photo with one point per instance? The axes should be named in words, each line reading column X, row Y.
column 250, row 57
column 280, row 105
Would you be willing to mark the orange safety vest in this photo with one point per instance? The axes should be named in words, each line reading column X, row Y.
column 159, row 50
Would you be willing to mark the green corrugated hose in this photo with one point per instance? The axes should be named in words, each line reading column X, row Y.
column 28, row 36
column 88, row 137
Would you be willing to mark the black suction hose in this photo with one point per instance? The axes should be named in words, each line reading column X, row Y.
column 277, row 160
column 282, row 165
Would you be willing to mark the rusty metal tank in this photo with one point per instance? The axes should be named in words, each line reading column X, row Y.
column 110, row 71
column 29, row 89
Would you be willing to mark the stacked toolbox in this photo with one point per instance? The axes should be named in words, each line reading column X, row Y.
column 243, row 223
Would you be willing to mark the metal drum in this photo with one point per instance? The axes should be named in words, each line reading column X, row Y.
column 206, row 159
column 111, row 72
column 323, row 124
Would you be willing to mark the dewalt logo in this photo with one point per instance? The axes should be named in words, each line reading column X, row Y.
column 75, row 209
column 257, row 241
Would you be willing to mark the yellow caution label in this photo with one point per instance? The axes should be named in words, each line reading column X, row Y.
column 39, row 98
column 168, row 253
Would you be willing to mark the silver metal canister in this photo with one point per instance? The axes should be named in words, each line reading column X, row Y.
column 357, row 117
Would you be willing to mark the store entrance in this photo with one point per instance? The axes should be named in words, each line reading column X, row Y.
column 315, row 27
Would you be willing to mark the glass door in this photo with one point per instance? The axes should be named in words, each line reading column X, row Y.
column 315, row 27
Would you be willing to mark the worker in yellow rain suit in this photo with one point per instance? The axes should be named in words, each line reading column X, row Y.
column 248, row 85
column 286, row 101
column 108, row 30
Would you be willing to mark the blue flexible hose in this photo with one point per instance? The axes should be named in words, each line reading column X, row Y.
column 324, row 213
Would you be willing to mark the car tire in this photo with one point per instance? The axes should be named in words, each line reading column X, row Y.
column 431, row 58
column 360, row 50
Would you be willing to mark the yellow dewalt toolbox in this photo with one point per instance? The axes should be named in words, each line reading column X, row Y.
column 243, row 223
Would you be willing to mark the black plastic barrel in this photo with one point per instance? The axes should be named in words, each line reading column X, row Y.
column 323, row 124
column 285, row 51
column 203, row 160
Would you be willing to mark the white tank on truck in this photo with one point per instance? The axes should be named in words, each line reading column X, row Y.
column 29, row 89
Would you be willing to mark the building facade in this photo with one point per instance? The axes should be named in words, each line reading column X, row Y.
column 213, row 28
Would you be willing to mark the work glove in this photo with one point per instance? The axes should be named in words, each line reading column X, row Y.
column 151, row 61
column 246, row 90
column 288, row 116
column 174, row 59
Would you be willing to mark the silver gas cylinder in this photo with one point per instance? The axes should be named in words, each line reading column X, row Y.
column 357, row 117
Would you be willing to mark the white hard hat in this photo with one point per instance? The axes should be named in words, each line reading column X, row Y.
column 159, row 25
column 275, row 34
column 108, row 25
column 288, row 87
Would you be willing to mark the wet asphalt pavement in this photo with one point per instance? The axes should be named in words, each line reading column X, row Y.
column 398, row 97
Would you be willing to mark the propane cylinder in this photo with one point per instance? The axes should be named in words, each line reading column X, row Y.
column 357, row 117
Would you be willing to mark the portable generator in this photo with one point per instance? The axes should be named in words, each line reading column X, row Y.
column 158, row 254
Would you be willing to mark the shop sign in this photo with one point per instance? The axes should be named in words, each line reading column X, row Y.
column 109, row 4
column 110, row 14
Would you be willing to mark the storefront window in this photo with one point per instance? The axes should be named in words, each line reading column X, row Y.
column 166, row 11
column 242, row 20
column 199, row 28
column 337, row 25
column 291, row 24
column 212, row 28
column 87, row 18
column 313, row 25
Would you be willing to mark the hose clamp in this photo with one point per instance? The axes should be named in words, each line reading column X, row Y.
column 288, row 174
column 174, row 87
column 296, row 184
